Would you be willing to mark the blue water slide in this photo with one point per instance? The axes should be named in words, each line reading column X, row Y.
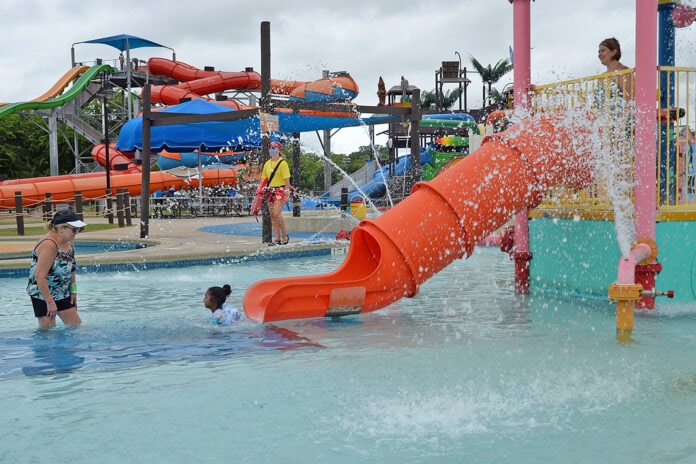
column 190, row 160
column 451, row 117
column 376, row 187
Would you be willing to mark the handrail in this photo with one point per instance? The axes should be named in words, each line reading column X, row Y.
column 676, row 193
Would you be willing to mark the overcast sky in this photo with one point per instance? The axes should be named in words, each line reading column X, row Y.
column 367, row 38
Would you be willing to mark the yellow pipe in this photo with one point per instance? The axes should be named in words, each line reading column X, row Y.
column 625, row 296
column 625, row 291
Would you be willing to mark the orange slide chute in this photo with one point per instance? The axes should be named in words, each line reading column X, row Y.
column 442, row 220
column 195, row 83
column 60, row 85
column 120, row 162
column 93, row 185
column 198, row 82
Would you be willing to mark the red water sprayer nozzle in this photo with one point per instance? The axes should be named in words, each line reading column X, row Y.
column 653, row 293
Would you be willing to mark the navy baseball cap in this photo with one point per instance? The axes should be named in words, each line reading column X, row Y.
column 67, row 216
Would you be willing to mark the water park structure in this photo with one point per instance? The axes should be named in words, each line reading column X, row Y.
column 535, row 170
column 574, row 228
column 180, row 82
column 469, row 369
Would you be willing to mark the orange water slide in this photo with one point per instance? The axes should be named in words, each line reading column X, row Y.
column 119, row 161
column 60, row 85
column 247, row 80
column 196, row 82
column 442, row 220
column 93, row 185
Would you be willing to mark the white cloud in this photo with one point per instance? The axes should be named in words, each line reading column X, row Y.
column 367, row 38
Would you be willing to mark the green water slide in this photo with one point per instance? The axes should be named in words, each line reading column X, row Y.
column 80, row 84
column 450, row 123
column 438, row 158
column 438, row 161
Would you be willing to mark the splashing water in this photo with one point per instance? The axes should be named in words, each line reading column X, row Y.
column 611, row 146
column 375, row 155
column 615, row 163
column 344, row 220
column 322, row 156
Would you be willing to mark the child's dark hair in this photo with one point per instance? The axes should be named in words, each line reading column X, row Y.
column 220, row 294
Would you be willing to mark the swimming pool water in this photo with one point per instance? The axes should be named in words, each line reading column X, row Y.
column 464, row 372
column 90, row 247
column 85, row 247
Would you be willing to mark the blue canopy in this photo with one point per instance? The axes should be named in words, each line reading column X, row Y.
column 124, row 42
column 237, row 135
column 207, row 136
column 290, row 122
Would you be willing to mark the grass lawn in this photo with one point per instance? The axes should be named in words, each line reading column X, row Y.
column 36, row 229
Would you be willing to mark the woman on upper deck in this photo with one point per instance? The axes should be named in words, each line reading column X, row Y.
column 609, row 54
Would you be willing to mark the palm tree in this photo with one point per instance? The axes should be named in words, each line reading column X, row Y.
column 491, row 75
column 429, row 99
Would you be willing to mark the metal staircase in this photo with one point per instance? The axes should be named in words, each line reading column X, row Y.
column 360, row 177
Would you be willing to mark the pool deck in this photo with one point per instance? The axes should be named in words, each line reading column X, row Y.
column 179, row 240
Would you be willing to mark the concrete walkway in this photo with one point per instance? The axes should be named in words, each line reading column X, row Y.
column 182, row 239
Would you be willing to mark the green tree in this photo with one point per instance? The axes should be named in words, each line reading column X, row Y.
column 449, row 98
column 311, row 171
column 491, row 74
column 24, row 148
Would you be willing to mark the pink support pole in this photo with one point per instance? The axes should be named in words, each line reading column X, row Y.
column 645, row 128
column 522, row 82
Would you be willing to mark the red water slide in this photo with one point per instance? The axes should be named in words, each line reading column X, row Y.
column 196, row 82
column 93, row 185
column 442, row 220
column 120, row 162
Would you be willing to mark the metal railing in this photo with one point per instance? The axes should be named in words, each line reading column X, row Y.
column 193, row 206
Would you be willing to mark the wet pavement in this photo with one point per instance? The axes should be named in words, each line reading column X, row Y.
column 181, row 239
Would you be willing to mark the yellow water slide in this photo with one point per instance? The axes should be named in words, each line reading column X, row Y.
column 60, row 85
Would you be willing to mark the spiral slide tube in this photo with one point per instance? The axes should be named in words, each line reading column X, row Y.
column 442, row 220
column 195, row 83
column 198, row 82
column 92, row 185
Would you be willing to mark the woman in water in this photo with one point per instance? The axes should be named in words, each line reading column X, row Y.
column 52, row 286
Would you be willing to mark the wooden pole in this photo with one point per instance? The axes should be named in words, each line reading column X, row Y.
column 266, row 228
column 119, row 208
column 47, row 208
column 127, row 207
column 296, row 177
column 145, row 193
column 109, row 206
column 78, row 205
column 19, row 212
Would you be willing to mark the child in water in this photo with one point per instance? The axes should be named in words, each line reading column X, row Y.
column 222, row 313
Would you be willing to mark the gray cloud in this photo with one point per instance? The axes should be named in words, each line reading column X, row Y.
column 367, row 38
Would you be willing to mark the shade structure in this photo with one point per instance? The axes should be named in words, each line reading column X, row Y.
column 243, row 134
column 124, row 42
column 290, row 122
